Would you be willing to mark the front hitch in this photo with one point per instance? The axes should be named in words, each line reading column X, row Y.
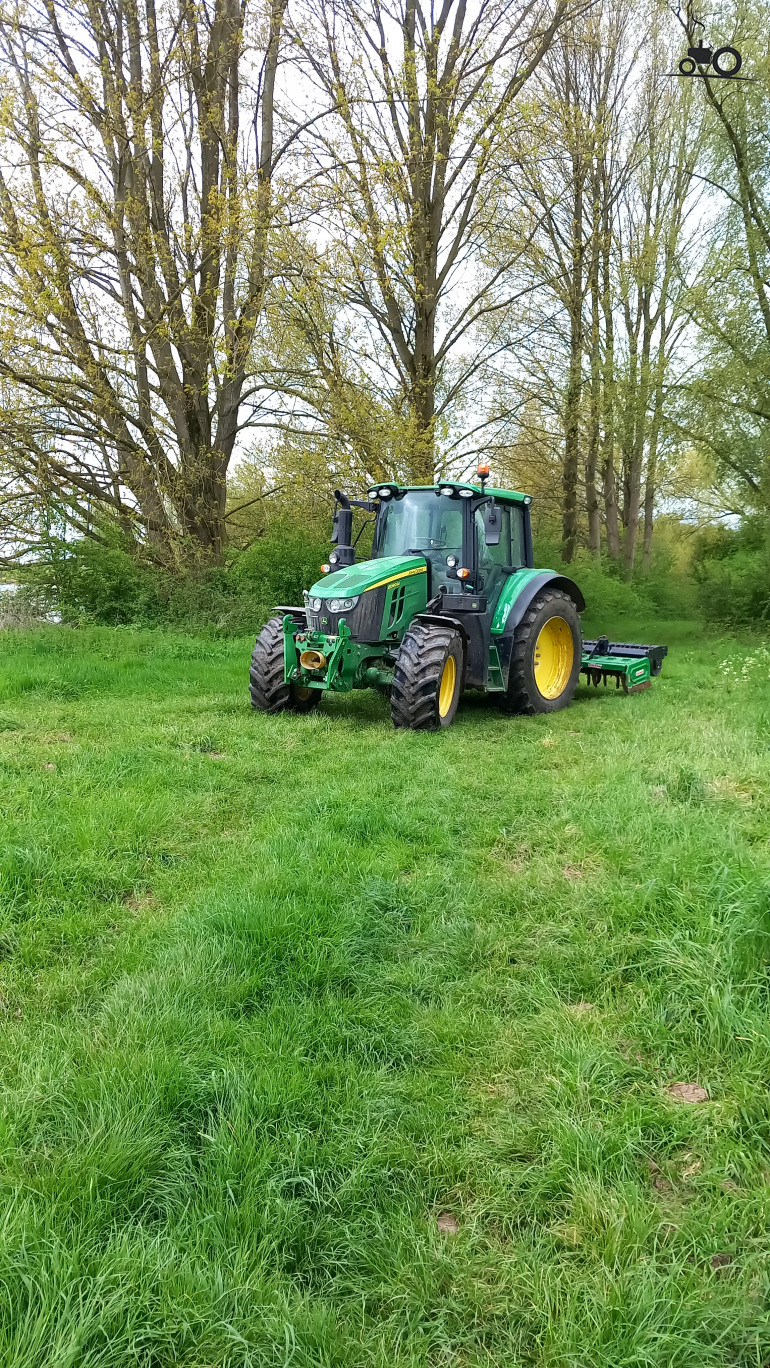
column 318, row 664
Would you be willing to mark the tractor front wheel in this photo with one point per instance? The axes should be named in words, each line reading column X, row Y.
column 269, row 691
column 546, row 658
column 428, row 677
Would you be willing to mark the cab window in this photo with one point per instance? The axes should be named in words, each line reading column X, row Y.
column 518, row 557
column 425, row 522
column 492, row 559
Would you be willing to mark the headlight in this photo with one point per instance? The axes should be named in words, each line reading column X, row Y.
column 384, row 493
column 446, row 489
column 315, row 604
column 466, row 493
column 342, row 605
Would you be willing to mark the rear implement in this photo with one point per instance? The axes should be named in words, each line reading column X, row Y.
column 632, row 667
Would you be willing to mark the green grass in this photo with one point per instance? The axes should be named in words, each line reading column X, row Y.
column 276, row 993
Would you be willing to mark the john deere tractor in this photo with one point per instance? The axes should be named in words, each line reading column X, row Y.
column 449, row 600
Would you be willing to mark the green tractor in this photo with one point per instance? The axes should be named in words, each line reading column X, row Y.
column 449, row 600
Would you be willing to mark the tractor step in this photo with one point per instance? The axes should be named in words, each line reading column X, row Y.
column 630, row 665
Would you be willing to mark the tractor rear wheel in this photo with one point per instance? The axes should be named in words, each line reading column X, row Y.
column 428, row 677
column 269, row 690
column 547, row 655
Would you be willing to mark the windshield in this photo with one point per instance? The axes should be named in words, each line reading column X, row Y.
column 422, row 521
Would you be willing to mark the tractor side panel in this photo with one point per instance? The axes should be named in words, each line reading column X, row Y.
column 405, row 598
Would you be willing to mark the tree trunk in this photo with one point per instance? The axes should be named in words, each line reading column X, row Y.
column 423, row 395
column 649, row 506
column 572, row 444
column 609, row 482
column 650, row 487
column 636, row 453
column 592, row 443
column 629, row 428
column 575, row 375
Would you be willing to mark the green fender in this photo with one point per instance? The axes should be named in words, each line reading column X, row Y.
column 520, row 589
column 517, row 594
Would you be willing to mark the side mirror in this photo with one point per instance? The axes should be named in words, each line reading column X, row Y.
column 493, row 524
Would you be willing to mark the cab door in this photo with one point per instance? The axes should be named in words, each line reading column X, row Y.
column 487, row 579
column 493, row 563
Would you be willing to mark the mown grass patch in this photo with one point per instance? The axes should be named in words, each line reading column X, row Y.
column 325, row 1044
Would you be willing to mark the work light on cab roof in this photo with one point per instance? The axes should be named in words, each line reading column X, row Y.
column 449, row 599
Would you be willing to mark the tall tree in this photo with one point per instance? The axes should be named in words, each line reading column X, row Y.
column 607, row 204
column 652, row 279
column 410, row 163
column 137, row 158
column 725, row 410
column 569, row 196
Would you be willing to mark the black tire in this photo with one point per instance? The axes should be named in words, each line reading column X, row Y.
column 524, row 695
column 429, row 654
column 731, row 70
column 687, row 66
column 269, row 691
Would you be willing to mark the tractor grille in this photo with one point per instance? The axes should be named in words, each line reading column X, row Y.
column 364, row 620
column 325, row 622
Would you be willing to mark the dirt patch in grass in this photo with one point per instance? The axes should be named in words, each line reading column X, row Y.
column 447, row 1223
column 687, row 1092
column 140, row 901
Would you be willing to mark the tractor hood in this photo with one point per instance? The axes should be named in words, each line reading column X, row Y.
column 369, row 574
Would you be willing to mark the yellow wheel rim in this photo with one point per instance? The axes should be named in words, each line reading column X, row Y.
column 302, row 694
column 446, row 690
column 554, row 657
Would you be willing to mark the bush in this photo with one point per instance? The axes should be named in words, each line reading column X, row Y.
column 21, row 609
column 669, row 587
column 91, row 582
column 108, row 583
column 667, row 590
column 731, row 567
column 604, row 590
column 277, row 567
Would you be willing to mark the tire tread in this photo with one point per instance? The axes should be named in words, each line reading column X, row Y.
column 269, row 691
column 414, row 691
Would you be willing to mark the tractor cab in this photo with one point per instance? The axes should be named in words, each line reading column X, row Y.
column 471, row 539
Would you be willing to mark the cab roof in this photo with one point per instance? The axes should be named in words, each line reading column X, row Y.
column 513, row 495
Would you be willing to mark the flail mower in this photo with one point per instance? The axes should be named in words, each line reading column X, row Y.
column 449, row 600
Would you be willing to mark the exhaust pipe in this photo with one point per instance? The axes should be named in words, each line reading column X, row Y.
column 312, row 660
column 342, row 532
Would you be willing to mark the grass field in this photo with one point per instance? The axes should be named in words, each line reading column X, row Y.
column 324, row 1044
